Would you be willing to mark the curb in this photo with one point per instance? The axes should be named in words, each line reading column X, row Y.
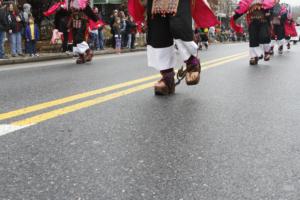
column 60, row 56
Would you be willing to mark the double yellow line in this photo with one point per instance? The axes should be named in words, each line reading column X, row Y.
column 137, row 85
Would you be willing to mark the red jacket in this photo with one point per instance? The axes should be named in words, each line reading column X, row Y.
column 95, row 25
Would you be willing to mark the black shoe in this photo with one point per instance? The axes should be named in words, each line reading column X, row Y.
column 280, row 50
column 206, row 46
column 272, row 51
column 267, row 56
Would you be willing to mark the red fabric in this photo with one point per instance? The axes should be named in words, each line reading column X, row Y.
column 53, row 9
column 95, row 25
column 290, row 29
column 203, row 15
column 237, row 28
column 140, row 28
column 136, row 10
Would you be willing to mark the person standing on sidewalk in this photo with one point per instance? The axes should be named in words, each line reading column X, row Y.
column 124, row 33
column 117, row 35
column 112, row 21
column 132, row 31
column 15, row 27
column 31, row 35
column 93, row 35
column 101, row 37
column 25, row 14
column 3, row 29
column 100, row 29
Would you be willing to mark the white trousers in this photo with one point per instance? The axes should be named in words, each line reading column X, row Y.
column 278, row 42
column 259, row 51
column 81, row 48
column 167, row 58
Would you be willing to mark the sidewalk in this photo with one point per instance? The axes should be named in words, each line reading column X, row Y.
column 56, row 56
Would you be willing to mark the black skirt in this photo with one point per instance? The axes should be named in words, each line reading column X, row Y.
column 259, row 33
column 278, row 31
column 162, row 30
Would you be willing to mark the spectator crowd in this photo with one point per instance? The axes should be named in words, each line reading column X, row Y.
column 18, row 28
column 122, row 28
column 119, row 31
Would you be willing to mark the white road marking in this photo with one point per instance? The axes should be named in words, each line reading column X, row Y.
column 7, row 128
column 64, row 61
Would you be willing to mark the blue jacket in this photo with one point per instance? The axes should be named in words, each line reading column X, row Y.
column 28, row 32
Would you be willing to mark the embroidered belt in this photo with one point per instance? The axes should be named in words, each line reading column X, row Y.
column 256, row 12
column 165, row 7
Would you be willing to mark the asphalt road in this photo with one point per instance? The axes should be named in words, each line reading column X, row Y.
column 236, row 136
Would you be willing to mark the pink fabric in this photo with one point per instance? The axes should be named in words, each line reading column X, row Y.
column 83, row 3
column 53, row 9
column 244, row 5
column 56, row 36
column 283, row 9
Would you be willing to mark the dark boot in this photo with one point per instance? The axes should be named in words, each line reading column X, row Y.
column 80, row 59
column 288, row 46
column 206, row 46
column 267, row 56
column 193, row 70
column 280, row 49
column 166, row 85
column 272, row 51
column 254, row 61
column 89, row 55
column 200, row 47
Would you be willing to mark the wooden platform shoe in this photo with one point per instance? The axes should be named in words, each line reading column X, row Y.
column 80, row 59
column 166, row 85
column 89, row 55
column 193, row 70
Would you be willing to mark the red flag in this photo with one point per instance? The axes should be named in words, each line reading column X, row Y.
column 95, row 25
column 53, row 9
column 136, row 10
column 237, row 28
column 203, row 15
